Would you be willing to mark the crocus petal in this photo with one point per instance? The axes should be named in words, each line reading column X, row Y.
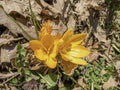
column 74, row 60
column 66, row 37
column 47, row 41
column 55, row 50
column 75, row 40
column 78, row 37
column 79, row 61
column 40, row 54
column 67, row 34
column 51, row 62
column 35, row 44
column 76, row 52
column 68, row 67
column 79, row 51
column 48, row 27
column 42, row 32
column 73, row 44
column 45, row 30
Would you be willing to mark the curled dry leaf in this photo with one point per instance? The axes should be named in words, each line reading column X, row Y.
column 8, row 52
column 20, row 6
column 100, row 34
column 59, row 5
column 82, row 8
column 13, row 27
column 7, row 75
column 5, row 40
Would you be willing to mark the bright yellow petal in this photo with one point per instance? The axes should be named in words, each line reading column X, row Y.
column 67, row 34
column 45, row 30
column 78, row 61
column 57, row 37
column 76, row 52
column 79, row 51
column 73, row 44
column 40, row 54
column 42, row 32
column 35, row 44
column 51, row 62
column 47, row 41
column 68, row 67
column 55, row 50
column 56, row 45
column 74, row 59
column 63, row 42
column 78, row 37
column 65, row 57
column 48, row 27
column 75, row 40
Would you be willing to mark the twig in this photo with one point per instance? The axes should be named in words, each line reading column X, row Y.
column 34, row 19
column 13, row 76
column 106, row 57
column 88, row 37
column 4, row 76
column 92, row 87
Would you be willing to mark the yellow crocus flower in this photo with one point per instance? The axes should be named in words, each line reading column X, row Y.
column 70, row 46
column 45, row 48
column 72, row 51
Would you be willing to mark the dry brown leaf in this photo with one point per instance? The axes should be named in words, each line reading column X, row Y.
column 7, row 53
column 117, row 65
column 103, row 72
column 59, row 5
column 81, row 10
column 100, row 34
column 5, row 40
column 6, row 37
column 110, row 83
column 21, row 6
column 13, row 27
column 7, row 75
